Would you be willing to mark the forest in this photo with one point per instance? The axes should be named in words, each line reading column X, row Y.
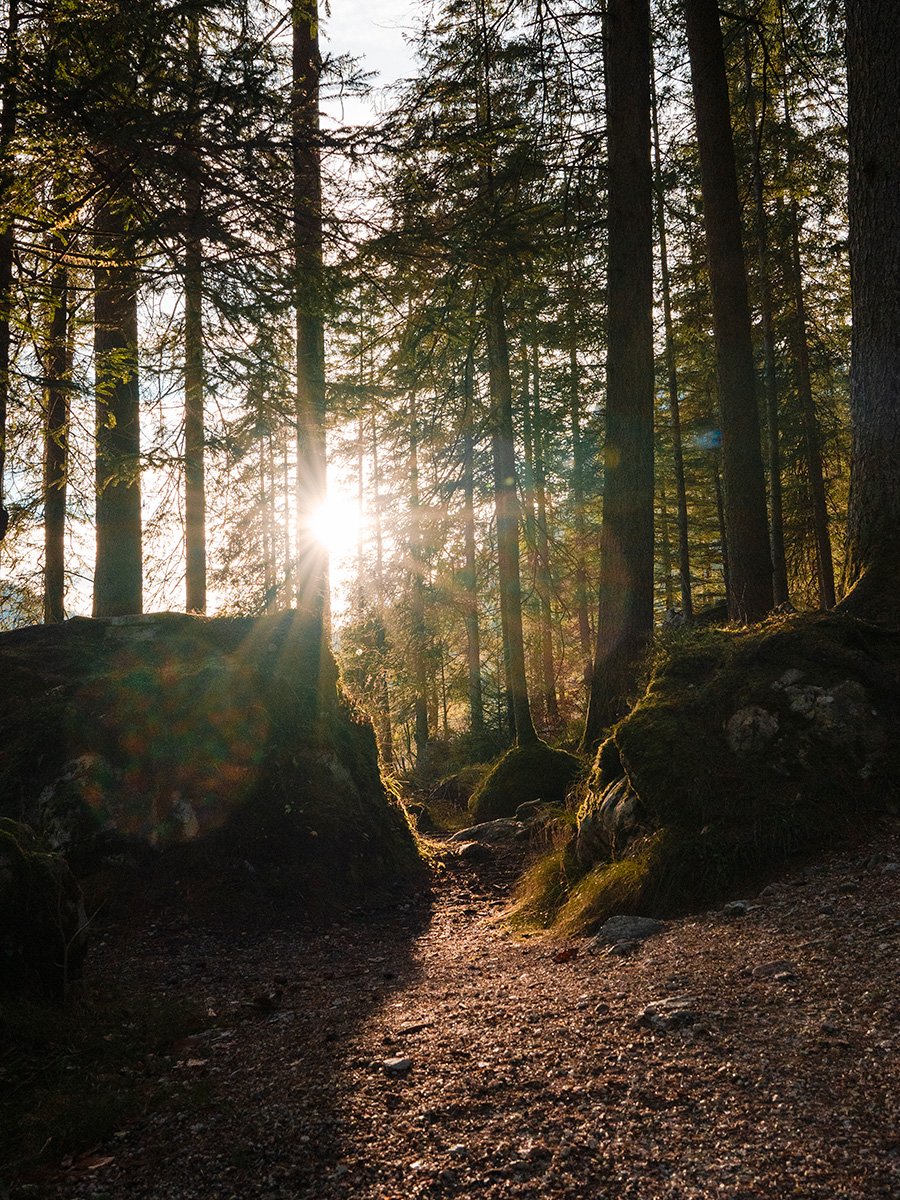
column 449, row 548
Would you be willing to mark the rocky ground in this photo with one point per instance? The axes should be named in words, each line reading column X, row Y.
column 430, row 1052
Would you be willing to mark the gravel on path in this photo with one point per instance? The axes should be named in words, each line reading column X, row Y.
column 431, row 1052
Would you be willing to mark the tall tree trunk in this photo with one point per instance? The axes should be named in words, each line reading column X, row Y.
column 417, row 605
column 585, row 635
column 776, row 506
column 312, row 558
column 194, row 472
column 118, row 583
column 56, row 439
column 750, row 565
column 873, row 34
column 723, row 531
column 665, row 544
column 383, row 723
column 803, row 376
column 811, row 435
column 8, row 120
column 470, row 578
column 625, row 615
column 531, row 601
column 507, row 512
column 684, row 554
column 543, row 578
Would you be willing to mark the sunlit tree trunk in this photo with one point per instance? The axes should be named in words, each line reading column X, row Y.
column 873, row 35
column 625, row 614
column 8, row 119
column 665, row 544
column 417, row 599
column 118, row 582
column 803, row 376
column 507, row 512
column 543, row 578
column 531, row 600
column 312, row 558
column 684, row 555
column 746, row 519
column 56, row 439
column 585, row 635
column 470, row 578
column 194, row 470
column 773, row 423
column 383, row 723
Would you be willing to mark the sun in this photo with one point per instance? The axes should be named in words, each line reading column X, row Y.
column 337, row 526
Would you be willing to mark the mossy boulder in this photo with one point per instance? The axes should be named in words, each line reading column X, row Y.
column 226, row 744
column 531, row 772
column 43, row 933
column 748, row 746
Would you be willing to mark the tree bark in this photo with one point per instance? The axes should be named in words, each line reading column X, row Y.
column 776, row 505
column 383, row 724
column 8, row 121
column 56, row 440
column 312, row 558
column 684, row 554
column 469, row 577
column 543, row 577
column 194, row 470
column 507, row 512
column 873, row 34
column 417, row 601
column 750, row 595
column 625, row 615
column 118, row 583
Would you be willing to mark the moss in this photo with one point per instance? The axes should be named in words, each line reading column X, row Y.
column 607, row 889
column 711, row 819
column 533, row 772
column 541, row 891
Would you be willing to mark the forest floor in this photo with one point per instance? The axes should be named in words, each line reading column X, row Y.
column 527, row 1068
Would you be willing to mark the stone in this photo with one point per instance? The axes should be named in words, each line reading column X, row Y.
column 474, row 852
column 607, row 827
column 530, row 810
column 504, row 829
column 750, row 730
column 624, row 928
column 397, row 1066
column 672, row 1012
column 781, row 968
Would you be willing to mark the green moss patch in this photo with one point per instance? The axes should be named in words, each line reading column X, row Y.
column 533, row 772
column 748, row 747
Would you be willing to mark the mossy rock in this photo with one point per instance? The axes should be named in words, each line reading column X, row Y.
column 748, row 747
column 532, row 772
column 226, row 745
column 43, row 934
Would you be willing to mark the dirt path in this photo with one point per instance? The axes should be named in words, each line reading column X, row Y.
column 530, row 1077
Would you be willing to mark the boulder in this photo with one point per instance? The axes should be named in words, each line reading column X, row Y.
column 224, row 742
column 531, row 772
column 505, row 829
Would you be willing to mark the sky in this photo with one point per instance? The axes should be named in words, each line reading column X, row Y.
column 372, row 32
